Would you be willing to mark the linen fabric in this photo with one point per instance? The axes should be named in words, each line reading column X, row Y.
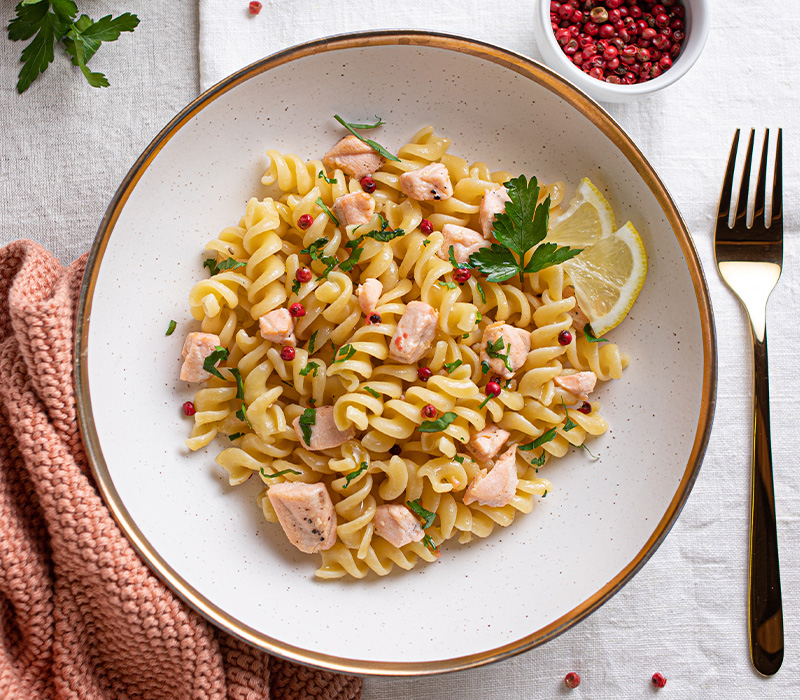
column 81, row 616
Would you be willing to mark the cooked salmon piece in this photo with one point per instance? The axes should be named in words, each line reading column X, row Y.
column 485, row 444
column 354, row 209
column 497, row 486
column 579, row 319
column 516, row 344
column 324, row 433
column 430, row 182
column 278, row 327
column 464, row 242
column 196, row 348
column 579, row 384
column 492, row 204
column 306, row 514
column 353, row 157
column 397, row 525
column 414, row 333
column 368, row 295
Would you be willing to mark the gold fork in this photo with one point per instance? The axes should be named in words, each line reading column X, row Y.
column 749, row 260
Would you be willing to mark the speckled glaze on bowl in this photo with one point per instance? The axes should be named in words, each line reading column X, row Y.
column 478, row 603
column 697, row 23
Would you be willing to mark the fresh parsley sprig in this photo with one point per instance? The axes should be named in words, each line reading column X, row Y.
column 50, row 22
column 493, row 350
column 425, row 515
column 209, row 364
column 520, row 229
column 324, row 208
column 322, row 176
column 438, row 425
column 228, row 264
column 591, row 337
column 308, row 419
column 372, row 144
column 352, row 475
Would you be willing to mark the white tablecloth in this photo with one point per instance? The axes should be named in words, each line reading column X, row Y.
column 64, row 147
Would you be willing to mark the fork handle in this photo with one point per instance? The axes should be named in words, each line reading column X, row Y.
column 765, row 605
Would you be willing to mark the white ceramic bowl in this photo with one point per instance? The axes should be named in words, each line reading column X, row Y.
column 481, row 602
column 697, row 23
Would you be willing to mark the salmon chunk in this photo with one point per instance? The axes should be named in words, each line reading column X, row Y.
column 492, row 204
column 368, row 295
column 278, row 327
column 306, row 514
column 579, row 384
column 196, row 348
column 324, row 433
column 430, row 182
column 516, row 344
column 464, row 242
column 414, row 333
column 485, row 444
column 353, row 157
column 354, row 209
column 397, row 525
column 496, row 487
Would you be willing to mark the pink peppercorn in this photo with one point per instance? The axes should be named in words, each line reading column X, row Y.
column 287, row 353
column 659, row 681
column 368, row 184
column 189, row 409
column 428, row 411
column 461, row 275
column 493, row 388
column 297, row 310
column 255, row 7
column 305, row 221
column 585, row 408
column 424, row 373
column 564, row 338
column 572, row 680
column 303, row 275
column 426, row 227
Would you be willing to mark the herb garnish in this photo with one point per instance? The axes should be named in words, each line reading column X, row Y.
column 235, row 436
column 539, row 461
column 349, row 263
column 171, row 328
column 209, row 364
column 456, row 265
column 464, row 336
column 459, row 459
column 493, row 350
column 314, row 250
column 312, row 342
column 538, row 442
column 384, row 235
column 428, row 542
column 436, row 426
column 450, row 366
column 520, row 228
column 591, row 337
column 425, row 515
column 591, row 454
column 426, row 242
column 448, row 285
column 312, row 367
column 372, row 391
column 53, row 21
column 329, row 180
column 308, row 419
column 348, row 351
column 480, row 290
column 569, row 425
column 239, row 383
column 280, row 473
column 544, row 495
column 352, row 475
column 324, row 208
column 241, row 414
column 485, row 367
column 372, row 144
column 295, row 286
column 228, row 264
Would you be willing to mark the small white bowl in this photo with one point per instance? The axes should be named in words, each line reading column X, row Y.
column 697, row 23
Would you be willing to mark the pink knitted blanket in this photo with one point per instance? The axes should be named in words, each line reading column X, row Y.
column 80, row 615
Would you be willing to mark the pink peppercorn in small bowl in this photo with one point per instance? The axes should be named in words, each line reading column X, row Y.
column 693, row 24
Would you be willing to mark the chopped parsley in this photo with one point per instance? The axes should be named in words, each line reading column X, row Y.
column 308, row 419
column 438, row 425
column 372, row 391
column 478, row 318
column 449, row 285
column 538, row 442
column 485, row 367
column 241, row 414
column 384, row 235
column 591, row 454
column 539, row 461
column 459, row 459
column 314, row 250
column 428, row 542
column 329, row 180
column 372, row 144
column 493, row 350
column 171, row 328
column 464, row 336
column 235, row 436
column 544, row 495
column 352, row 260
column 312, row 367
column 450, row 366
column 425, row 515
column 280, row 473
column 456, row 265
column 295, row 286
column 215, row 268
column 426, row 242
column 352, row 475
column 480, row 290
column 520, row 228
column 591, row 337
column 569, row 425
column 239, row 383
column 324, row 208
column 209, row 364
column 348, row 351
column 312, row 342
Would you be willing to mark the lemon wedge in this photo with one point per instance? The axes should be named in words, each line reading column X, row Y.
column 608, row 276
column 588, row 219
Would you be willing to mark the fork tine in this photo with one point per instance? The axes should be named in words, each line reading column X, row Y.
column 777, row 184
column 727, row 185
column 741, row 207
column 761, row 185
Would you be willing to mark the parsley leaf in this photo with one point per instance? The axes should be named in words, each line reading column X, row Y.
column 350, row 262
column 456, row 265
column 348, row 351
column 436, row 426
column 280, row 473
column 329, row 180
column 235, row 436
column 312, row 367
column 372, row 391
column 215, row 268
column 314, row 248
column 312, row 342
column 538, row 442
column 485, row 367
column 481, row 292
column 459, row 459
column 540, row 460
column 241, row 414
column 428, row 542
column 450, row 366
column 591, row 337
column 520, row 228
column 493, row 350
column 324, row 208
column 426, row 242
column 295, row 286
column 591, row 454
column 171, row 328
column 448, row 285
column 239, row 384
column 53, row 21
column 425, row 515
column 352, row 475
column 372, row 144
column 569, row 425
column 308, row 419
column 209, row 364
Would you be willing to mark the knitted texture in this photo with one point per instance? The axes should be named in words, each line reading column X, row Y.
column 81, row 617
